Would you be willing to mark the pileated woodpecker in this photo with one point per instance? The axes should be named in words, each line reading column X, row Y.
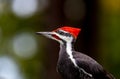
column 73, row 64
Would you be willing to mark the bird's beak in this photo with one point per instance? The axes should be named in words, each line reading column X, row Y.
column 46, row 34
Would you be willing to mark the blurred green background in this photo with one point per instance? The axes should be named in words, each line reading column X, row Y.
column 24, row 55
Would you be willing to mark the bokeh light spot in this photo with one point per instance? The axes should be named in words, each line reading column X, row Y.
column 25, row 45
column 24, row 8
column 9, row 69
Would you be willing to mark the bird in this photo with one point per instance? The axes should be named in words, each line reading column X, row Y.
column 72, row 64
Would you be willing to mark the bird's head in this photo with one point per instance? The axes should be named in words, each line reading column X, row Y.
column 63, row 34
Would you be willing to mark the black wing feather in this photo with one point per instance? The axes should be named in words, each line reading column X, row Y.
column 91, row 66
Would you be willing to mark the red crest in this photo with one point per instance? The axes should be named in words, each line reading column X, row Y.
column 72, row 30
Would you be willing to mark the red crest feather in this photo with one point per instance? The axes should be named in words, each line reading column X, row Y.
column 72, row 30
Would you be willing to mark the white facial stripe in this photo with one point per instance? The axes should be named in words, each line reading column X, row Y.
column 65, row 38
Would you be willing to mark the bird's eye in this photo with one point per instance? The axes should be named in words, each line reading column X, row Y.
column 61, row 33
column 67, row 34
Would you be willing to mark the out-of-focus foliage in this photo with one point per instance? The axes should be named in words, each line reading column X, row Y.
column 19, row 42
column 24, row 55
column 110, row 34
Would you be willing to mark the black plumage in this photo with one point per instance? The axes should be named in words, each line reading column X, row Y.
column 85, row 63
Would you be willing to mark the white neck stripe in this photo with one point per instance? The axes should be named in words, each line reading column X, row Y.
column 69, row 52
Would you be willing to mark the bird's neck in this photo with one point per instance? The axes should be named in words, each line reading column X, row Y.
column 67, row 44
column 67, row 49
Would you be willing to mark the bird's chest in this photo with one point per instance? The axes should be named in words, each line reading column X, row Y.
column 66, row 68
